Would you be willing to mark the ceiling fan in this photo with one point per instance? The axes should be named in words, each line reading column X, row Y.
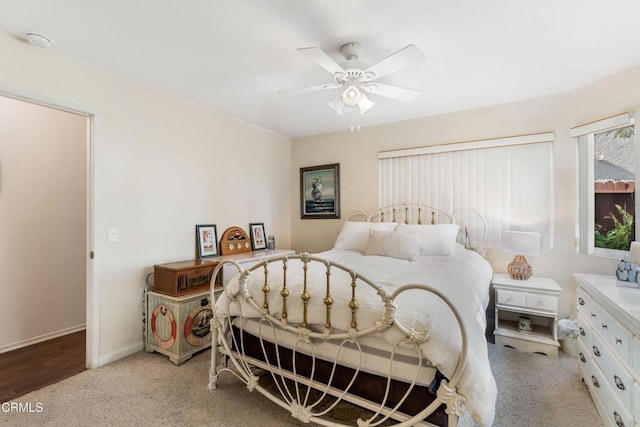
column 354, row 77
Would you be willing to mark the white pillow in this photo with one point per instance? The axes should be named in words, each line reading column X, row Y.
column 435, row 239
column 396, row 244
column 354, row 236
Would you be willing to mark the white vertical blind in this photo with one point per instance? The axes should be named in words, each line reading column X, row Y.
column 510, row 184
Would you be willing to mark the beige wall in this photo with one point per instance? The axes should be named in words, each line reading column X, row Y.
column 357, row 154
column 42, row 221
column 162, row 165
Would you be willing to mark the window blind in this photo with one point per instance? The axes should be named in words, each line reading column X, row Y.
column 510, row 181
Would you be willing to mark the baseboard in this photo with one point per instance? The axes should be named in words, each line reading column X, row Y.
column 35, row 340
column 124, row 352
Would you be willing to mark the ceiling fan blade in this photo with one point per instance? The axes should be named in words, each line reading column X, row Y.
column 393, row 92
column 403, row 58
column 312, row 88
column 322, row 59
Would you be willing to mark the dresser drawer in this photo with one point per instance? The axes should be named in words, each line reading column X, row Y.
column 542, row 302
column 504, row 297
column 620, row 339
column 619, row 378
column 614, row 412
column 597, row 317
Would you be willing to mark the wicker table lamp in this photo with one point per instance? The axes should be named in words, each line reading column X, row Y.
column 520, row 243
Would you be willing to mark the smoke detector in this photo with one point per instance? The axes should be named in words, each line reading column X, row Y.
column 38, row 40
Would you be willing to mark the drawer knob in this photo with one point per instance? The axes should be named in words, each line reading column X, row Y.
column 594, row 380
column 581, row 301
column 618, row 340
column 619, row 382
column 618, row 418
column 604, row 326
column 540, row 303
column 582, row 332
column 582, row 358
column 596, row 351
column 593, row 315
column 509, row 299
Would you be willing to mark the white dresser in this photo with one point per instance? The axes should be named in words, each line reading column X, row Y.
column 609, row 346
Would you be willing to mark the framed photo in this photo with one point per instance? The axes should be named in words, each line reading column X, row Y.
column 320, row 191
column 258, row 238
column 207, row 239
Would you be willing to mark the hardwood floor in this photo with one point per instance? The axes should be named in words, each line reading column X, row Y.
column 33, row 367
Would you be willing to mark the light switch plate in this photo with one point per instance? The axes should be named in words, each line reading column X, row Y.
column 112, row 235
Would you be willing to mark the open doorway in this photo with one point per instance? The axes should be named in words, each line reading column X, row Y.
column 45, row 218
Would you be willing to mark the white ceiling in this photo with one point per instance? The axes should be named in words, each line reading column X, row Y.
column 234, row 56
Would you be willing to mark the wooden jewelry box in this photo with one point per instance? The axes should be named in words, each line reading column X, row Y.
column 184, row 277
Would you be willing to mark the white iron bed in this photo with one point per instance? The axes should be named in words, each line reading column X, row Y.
column 367, row 322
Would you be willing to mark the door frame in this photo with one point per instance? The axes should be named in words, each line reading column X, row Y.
column 92, row 315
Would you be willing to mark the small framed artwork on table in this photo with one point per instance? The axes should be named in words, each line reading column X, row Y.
column 258, row 238
column 320, row 191
column 207, row 239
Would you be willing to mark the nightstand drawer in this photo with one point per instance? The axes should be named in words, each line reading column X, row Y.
column 504, row 297
column 542, row 302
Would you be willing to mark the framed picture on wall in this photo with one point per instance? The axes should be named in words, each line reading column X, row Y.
column 258, row 238
column 207, row 239
column 320, row 192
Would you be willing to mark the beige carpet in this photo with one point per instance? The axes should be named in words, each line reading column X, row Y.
column 147, row 389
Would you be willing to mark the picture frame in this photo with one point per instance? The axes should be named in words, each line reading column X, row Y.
column 320, row 192
column 207, row 240
column 258, row 236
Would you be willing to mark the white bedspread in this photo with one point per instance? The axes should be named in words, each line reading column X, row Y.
column 464, row 278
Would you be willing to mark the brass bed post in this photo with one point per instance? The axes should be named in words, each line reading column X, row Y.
column 419, row 215
column 305, row 296
column 328, row 300
column 353, row 304
column 406, row 214
column 285, row 292
column 433, row 217
column 266, row 288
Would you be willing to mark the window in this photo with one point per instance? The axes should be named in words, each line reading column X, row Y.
column 510, row 181
column 606, row 179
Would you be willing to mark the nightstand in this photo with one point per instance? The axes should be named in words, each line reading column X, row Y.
column 534, row 300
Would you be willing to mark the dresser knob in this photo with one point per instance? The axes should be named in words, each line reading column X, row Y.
column 596, row 351
column 604, row 326
column 618, row 418
column 509, row 299
column 581, row 301
column 582, row 332
column 540, row 303
column 594, row 380
column 618, row 340
column 593, row 315
column 582, row 358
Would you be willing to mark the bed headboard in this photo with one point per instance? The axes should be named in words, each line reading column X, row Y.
column 473, row 226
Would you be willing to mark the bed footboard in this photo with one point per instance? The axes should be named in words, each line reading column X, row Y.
column 312, row 343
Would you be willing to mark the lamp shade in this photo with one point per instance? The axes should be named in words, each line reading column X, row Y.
column 521, row 243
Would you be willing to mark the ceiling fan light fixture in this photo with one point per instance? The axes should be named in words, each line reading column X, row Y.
column 365, row 104
column 351, row 95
